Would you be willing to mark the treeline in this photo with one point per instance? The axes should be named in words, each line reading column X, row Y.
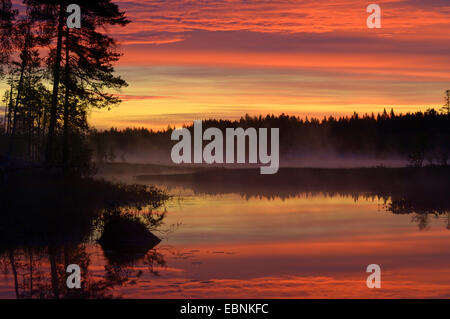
column 420, row 137
column 55, row 74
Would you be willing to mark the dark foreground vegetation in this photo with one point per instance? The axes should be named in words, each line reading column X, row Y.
column 55, row 75
column 42, row 209
column 47, row 222
column 126, row 236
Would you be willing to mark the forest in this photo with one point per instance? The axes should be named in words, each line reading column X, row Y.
column 55, row 74
column 419, row 138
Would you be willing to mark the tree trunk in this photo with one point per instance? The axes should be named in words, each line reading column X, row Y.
column 54, row 271
column 10, row 107
column 31, row 274
column 16, row 105
column 14, row 270
column 66, row 108
column 49, row 152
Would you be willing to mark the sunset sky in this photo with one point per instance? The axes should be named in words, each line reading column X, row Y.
column 187, row 60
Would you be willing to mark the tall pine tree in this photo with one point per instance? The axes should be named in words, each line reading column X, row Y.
column 7, row 16
column 89, row 72
column 89, row 56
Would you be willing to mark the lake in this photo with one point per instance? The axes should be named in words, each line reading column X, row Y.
column 220, row 243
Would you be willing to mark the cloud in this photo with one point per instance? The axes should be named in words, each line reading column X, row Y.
column 304, row 57
column 175, row 19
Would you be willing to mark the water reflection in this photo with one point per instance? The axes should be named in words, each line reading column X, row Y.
column 47, row 224
column 39, row 269
column 422, row 193
column 300, row 234
column 41, row 273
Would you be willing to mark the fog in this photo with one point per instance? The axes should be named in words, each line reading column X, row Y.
column 299, row 160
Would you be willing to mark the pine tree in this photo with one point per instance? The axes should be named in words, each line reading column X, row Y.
column 89, row 72
column 26, row 37
column 89, row 56
column 52, row 12
column 7, row 16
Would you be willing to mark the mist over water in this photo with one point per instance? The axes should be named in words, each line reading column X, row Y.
column 300, row 160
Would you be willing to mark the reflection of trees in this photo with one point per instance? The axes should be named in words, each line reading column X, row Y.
column 45, row 224
column 423, row 192
column 126, row 234
column 41, row 273
column 39, row 270
column 154, row 260
column 291, row 182
column 421, row 206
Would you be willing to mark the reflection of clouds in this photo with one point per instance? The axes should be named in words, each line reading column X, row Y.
column 338, row 255
column 353, row 286
column 322, row 264
column 306, row 247
column 224, row 252
column 300, row 219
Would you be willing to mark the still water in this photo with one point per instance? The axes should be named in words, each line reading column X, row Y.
column 231, row 245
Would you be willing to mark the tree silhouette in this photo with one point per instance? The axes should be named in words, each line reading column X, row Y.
column 446, row 107
column 27, row 37
column 7, row 16
column 80, row 64
column 53, row 13
column 411, row 137
column 88, row 72
column 23, row 111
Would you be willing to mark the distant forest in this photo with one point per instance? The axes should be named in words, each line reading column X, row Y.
column 420, row 138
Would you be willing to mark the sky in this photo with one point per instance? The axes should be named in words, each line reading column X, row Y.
column 189, row 60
